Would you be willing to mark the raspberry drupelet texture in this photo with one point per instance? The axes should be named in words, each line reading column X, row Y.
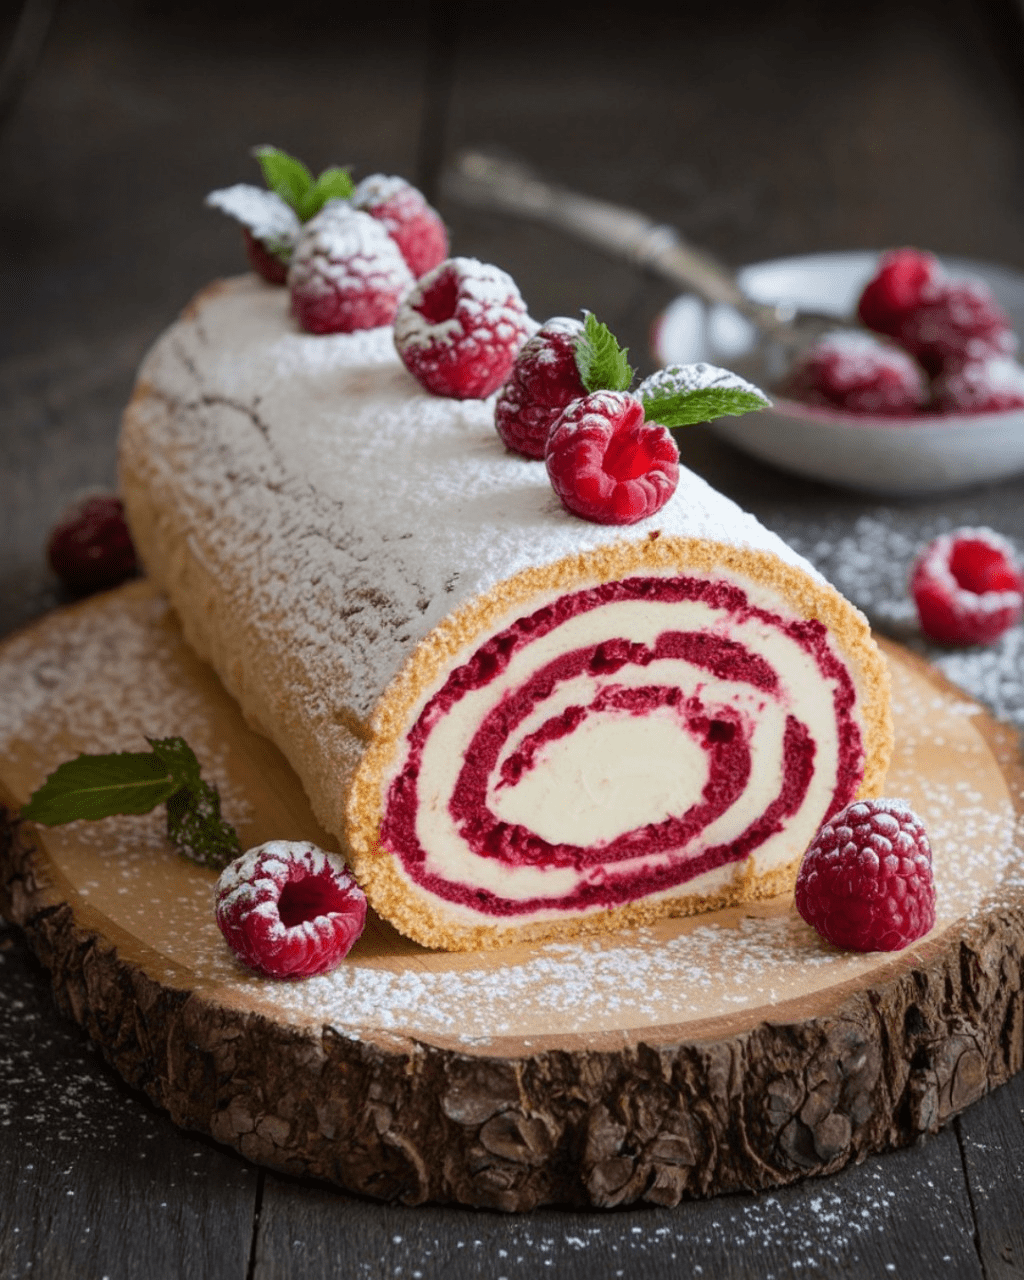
column 980, row 386
column 90, row 547
column 289, row 910
column 346, row 272
column 543, row 381
column 609, row 465
column 968, row 587
column 413, row 224
column 859, row 374
column 904, row 279
column 270, row 227
column 460, row 328
column 961, row 322
column 865, row 882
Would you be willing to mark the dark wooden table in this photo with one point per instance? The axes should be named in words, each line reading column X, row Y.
column 761, row 130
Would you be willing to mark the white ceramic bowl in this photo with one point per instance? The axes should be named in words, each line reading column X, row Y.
column 897, row 456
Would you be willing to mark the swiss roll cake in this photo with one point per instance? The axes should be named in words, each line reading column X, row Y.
column 517, row 723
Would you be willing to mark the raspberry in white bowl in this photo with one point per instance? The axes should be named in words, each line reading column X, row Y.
column 940, row 448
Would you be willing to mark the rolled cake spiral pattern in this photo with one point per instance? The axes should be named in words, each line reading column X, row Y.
column 517, row 723
column 616, row 744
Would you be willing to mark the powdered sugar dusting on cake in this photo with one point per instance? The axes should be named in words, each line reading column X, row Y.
column 382, row 507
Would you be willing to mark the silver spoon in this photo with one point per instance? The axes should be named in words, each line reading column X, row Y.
column 486, row 180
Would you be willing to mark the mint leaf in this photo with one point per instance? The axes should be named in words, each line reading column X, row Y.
column 99, row 787
column 601, row 362
column 136, row 782
column 196, row 829
column 285, row 175
column 683, row 394
column 333, row 184
column 194, row 824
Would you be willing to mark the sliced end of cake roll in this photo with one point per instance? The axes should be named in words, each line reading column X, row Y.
column 655, row 728
column 517, row 723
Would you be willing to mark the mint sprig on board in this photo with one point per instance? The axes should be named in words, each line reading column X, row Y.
column 292, row 181
column 601, row 362
column 127, row 782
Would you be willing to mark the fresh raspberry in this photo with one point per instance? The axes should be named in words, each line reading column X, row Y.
column 968, row 587
column 289, row 910
column 414, row 226
column 264, row 263
column 346, row 272
column 270, row 227
column 859, row 374
column 607, row 464
column 865, row 882
column 543, row 381
column 90, row 547
column 980, row 386
column 460, row 329
column 904, row 279
column 961, row 322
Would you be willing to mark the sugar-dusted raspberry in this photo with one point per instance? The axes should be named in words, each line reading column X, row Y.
column 262, row 261
column 413, row 224
column 865, row 882
column 859, row 374
column 346, row 272
column 460, row 329
column 903, row 280
column 968, row 587
column 961, row 322
column 270, row 227
column 543, row 381
column 90, row 547
column 980, row 386
column 289, row 910
column 607, row 464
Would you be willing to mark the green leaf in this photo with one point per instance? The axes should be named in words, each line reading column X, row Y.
column 196, row 829
column 601, row 362
column 683, row 394
column 284, row 174
column 194, row 824
column 136, row 782
column 99, row 787
column 333, row 184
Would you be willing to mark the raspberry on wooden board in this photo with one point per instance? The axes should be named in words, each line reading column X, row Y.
column 865, row 882
column 968, row 587
column 90, row 547
column 289, row 910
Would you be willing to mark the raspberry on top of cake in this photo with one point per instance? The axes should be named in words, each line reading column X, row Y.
column 518, row 723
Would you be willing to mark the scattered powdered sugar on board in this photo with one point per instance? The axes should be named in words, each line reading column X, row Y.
column 871, row 564
column 104, row 686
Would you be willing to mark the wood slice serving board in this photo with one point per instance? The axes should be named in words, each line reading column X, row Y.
column 729, row 1051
